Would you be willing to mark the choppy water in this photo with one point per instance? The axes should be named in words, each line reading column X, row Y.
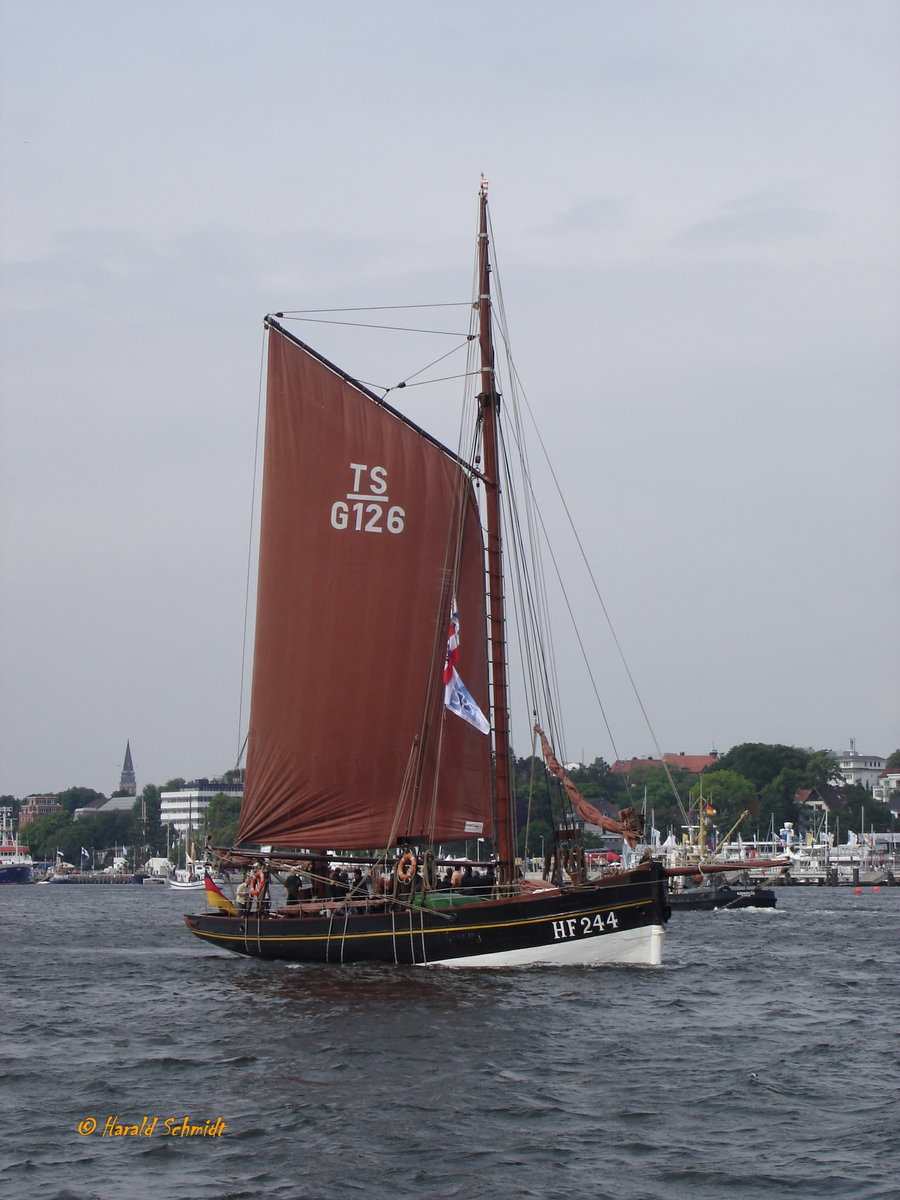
column 761, row 1060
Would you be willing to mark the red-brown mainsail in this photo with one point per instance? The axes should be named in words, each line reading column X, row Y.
column 369, row 530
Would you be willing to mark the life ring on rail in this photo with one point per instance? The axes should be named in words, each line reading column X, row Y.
column 257, row 884
column 406, row 867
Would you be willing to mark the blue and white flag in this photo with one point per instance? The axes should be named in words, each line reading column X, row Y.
column 458, row 700
column 85, row 853
column 456, row 694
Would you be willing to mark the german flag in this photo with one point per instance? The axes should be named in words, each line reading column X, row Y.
column 216, row 898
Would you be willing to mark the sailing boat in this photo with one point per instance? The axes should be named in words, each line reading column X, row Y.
column 380, row 642
column 15, row 861
column 190, row 877
column 705, row 877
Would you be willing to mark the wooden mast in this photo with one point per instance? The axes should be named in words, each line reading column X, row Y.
column 489, row 402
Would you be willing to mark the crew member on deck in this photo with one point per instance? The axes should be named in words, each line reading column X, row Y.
column 242, row 895
column 292, row 885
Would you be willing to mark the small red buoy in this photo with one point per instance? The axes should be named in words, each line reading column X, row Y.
column 876, row 888
column 858, row 891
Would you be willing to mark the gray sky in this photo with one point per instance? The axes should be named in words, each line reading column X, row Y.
column 697, row 212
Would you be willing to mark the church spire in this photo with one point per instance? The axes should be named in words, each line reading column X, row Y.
column 127, row 782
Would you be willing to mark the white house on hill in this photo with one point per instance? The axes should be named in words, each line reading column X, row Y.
column 862, row 769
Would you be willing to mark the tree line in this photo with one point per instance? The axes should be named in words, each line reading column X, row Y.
column 103, row 835
column 754, row 777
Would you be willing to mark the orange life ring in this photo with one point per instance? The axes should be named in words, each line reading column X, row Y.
column 406, row 867
column 257, row 884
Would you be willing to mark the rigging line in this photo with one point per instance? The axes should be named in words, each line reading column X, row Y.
column 531, row 606
column 377, row 308
column 532, row 584
column 237, row 765
column 542, row 628
column 405, row 792
column 537, row 581
column 581, row 646
column 534, row 636
column 663, row 763
column 440, row 358
column 259, row 399
column 356, row 383
column 534, row 510
column 529, row 849
column 455, row 532
column 600, row 599
column 521, row 624
column 391, row 328
column 529, row 596
column 424, row 382
column 421, row 371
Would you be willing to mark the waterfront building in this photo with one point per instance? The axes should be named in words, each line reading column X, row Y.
column 33, row 807
column 887, row 789
column 815, row 806
column 696, row 764
column 186, row 808
column 862, row 769
column 104, row 804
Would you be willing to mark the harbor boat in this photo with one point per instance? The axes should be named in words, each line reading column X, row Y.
column 710, row 896
column 193, row 878
column 704, row 873
column 99, row 878
column 188, row 878
column 16, row 863
column 380, row 645
column 186, row 883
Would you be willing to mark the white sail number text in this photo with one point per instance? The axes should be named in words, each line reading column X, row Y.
column 368, row 511
column 570, row 927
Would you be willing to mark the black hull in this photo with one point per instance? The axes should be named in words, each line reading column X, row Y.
column 15, row 873
column 616, row 921
column 707, row 899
